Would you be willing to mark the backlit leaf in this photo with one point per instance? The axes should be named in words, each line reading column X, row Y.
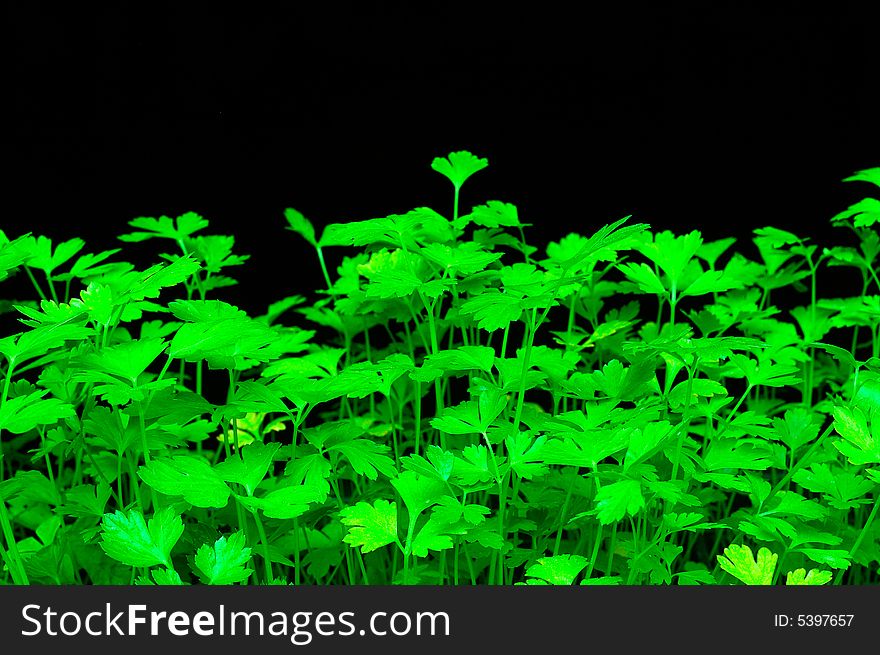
column 188, row 476
column 739, row 562
column 370, row 526
column 126, row 537
column 226, row 561
column 557, row 570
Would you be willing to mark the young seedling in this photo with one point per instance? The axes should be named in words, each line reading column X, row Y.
column 454, row 406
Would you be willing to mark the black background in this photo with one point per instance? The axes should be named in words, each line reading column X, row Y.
column 722, row 117
column 717, row 116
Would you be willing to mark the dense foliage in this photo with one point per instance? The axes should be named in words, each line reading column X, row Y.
column 454, row 407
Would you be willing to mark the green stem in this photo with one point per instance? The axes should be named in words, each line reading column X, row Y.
column 135, row 485
column 779, row 566
column 6, row 561
column 611, row 547
column 808, row 389
column 35, row 283
column 100, row 473
column 51, row 288
column 861, row 537
column 796, row 466
column 363, row 569
column 418, row 414
column 3, row 397
column 562, row 514
column 502, row 509
column 597, row 542
column 734, row 410
column 296, row 555
column 525, row 246
column 324, row 270
column 531, row 329
column 435, row 348
column 19, row 575
column 685, row 424
column 49, row 469
column 146, row 446
column 119, row 492
column 264, row 542
column 407, row 547
column 142, row 423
